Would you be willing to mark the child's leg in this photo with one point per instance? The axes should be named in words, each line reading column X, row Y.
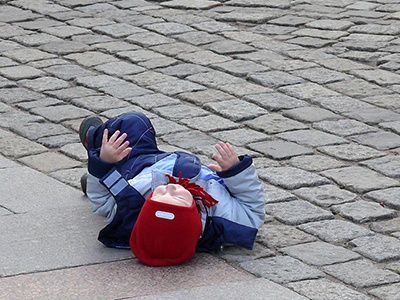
column 137, row 126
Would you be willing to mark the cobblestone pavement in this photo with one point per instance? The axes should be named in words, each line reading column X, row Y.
column 309, row 88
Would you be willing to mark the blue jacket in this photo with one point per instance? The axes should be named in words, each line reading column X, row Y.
column 118, row 191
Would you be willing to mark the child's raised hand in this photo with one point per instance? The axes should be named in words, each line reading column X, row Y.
column 114, row 149
column 228, row 157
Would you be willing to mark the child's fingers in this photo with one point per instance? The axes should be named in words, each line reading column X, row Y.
column 105, row 137
column 120, row 140
column 114, row 137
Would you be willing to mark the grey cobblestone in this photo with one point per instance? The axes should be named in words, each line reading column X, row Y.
column 310, row 114
column 297, row 212
column 280, row 149
column 272, row 193
column 344, row 127
column 341, row 104
column 361, row 273
column 380, row 140
column 351, row 152
column 363, row 211
column 379, row 248
column 320, row 253
column 236, row 110
column 311, row 138
column 335, row 231
column 389, row 292
column 238, row 254
column 307, row 91
column 282, row 269
column 388, row 197
column 275, row 101
column 388, row 165
column 315, row 162
column 274, row 123
column 386, row 226
column 45, row 84
column 240, row 137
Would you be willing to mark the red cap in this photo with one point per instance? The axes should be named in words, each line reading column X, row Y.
column 165, row 234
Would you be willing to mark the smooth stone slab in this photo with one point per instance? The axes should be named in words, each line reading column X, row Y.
column 389, row 292
column 360, row 179
column 323, row 289
column 120, row 279
column 257, row 289
column 310, row 114
column 387, row 226
column 388, row 165
column 320, row 253
column 335, row 231
column 280, row 149
column 281, row 269
column 291, row 178
column 325, row 195
column 351, row 152
column 361, row 274
column 380, row 140
column 363, row 211
column 297, row 212
column 276, row 235
column 344, row 127
column 389, row 197
column 373, row 115
column 379, row 248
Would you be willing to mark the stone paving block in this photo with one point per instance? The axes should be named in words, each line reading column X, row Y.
column 99, row 103
column 73, row 92
column 344, row 127
column 325, row 195
column 65, row 47
column 380, row 140
column 274, row 123
column 183, row 70
column 321, row 75
column 361, row 273
column 310, row 114
column 210, row 123
column 363, row 211
column 280, row 149
column 275, row 101
column 315, row 162
column 203, row 58
column 45, row 84
column 149, row 77
column 177, row 86
column 263, row 162
column 21, row 72
column 163, row 127
column 65, row 31
column 70, row 176
column 215, row 79
column 239, row 254
column 240, row 67
column 357, row 88
column 323, row 289
column 204, row 143
column 386, row 226
column 75, row 151
column 240, row 137
column 58, row 141
column 311, row 138
column 16, row 146
column 205, row 96
column 297, row 212
column 341, row 104
column 389, row 292
column 98, row 81
column 351, row 152
column 236, row 110
column 243, row 89
column 49, row 162
column 388, row 197
column 116, row 46
column 275, row 79
column 393, row 126
column 385, row 101
column 229, row 47
column 14, row 95
column 8, row 31
column 278, row 235
column 150, row 101
column 91, row 58
column 68, row 72
column 380, row 77
column 168, row 28
column 13, row 116
column 307, row 91
column 320, row 253
column 273, row 194
column 148, row 39
column 185, row 4
column 34, row 131
column 181, row 111
column 118, row 30
column 249, row 15
column 111, row 113
column 388, row 165
column 5, row 83
column 198, row 38
column 61, row 113
column 335, row 231
column 158, row 63
column 124, row 90
column 394, row 267
column 379, row 248
column 26, row 55
column 281, row 269
column 35, row 40
column 89, row 22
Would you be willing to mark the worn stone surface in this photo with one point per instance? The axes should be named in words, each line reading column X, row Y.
column 389, row 292
column 274, row 123
column 388, row 197
column 379, row 248
column 280, row 149
column 361, row 273
column 312, row 138
column 351, row 152
column 320, row 253
column 315, row 162
column 297, row 212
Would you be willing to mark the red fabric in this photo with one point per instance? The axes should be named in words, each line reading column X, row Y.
column 160, row 241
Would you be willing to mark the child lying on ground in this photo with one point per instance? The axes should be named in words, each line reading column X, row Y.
column 165, row 206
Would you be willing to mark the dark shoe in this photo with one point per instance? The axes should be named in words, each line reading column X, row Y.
column 84, row 183
column 86, row 124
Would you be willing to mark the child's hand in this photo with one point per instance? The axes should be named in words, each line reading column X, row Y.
column 115, row 149
column 228, row 157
